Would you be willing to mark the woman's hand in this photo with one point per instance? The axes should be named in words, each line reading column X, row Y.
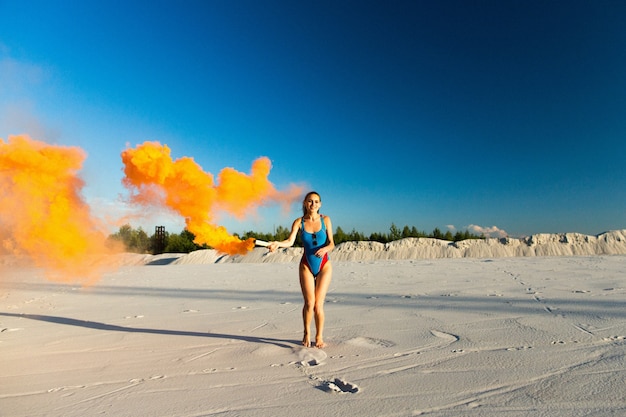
column 272, row 246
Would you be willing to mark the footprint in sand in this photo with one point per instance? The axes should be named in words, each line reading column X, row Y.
column 66, row 388
column 371, row 343
column 340, row 386
column 614, row 339
column 309, row 357
column 443, row 335
column 214, row 370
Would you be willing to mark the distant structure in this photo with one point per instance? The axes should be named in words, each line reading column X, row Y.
column 159, row 239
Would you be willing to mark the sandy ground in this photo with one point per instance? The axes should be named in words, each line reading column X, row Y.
column 532, row 336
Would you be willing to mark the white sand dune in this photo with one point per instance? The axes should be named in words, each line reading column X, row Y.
column 565, row 244
column 481, row 333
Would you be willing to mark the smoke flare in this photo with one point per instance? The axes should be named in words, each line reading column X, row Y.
column 153, row 178
column 42, row 213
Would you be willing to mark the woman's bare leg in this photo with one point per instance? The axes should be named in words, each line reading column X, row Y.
column 307, row 284
column 321, row 288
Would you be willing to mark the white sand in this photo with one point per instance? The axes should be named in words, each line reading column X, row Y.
column 495, row 336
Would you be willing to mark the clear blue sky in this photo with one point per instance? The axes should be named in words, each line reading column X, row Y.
column 423, row 113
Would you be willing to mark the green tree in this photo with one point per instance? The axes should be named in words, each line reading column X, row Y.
column 123, row 235
column 355, row 236
column 437, row 233
column 417, row 233
column 140, row 241
column 379, row 237
column 133, row 240
column 282, row 233
column 394, row 232
column 180, row 244
column 340, row 236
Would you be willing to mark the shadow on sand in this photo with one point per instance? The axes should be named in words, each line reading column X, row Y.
column 114, row 328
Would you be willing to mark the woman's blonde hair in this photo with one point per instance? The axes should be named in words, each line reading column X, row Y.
column 309, row 194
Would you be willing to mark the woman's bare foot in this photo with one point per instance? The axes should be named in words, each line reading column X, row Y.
column 306, row 341
column 319, row 343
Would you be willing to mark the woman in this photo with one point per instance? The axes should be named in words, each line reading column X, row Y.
column 315, row 268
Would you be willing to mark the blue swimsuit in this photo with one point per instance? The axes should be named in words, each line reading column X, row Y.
column 312, row 242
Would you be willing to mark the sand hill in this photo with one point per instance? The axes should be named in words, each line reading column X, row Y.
column 563, row 244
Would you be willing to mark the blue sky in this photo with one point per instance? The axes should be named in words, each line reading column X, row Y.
column 505, row 114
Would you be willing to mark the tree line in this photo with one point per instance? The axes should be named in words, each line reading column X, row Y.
column 138, row 241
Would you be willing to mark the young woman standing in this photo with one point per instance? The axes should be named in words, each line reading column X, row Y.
column 315, row 269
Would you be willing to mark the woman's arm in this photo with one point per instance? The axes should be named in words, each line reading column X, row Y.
column 287, row 243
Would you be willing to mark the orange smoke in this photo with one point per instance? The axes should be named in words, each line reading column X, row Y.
column 153, row 178
column 42, row 213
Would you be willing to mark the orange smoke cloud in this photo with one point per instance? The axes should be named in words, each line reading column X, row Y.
column 42, row 213
column 153, row 178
